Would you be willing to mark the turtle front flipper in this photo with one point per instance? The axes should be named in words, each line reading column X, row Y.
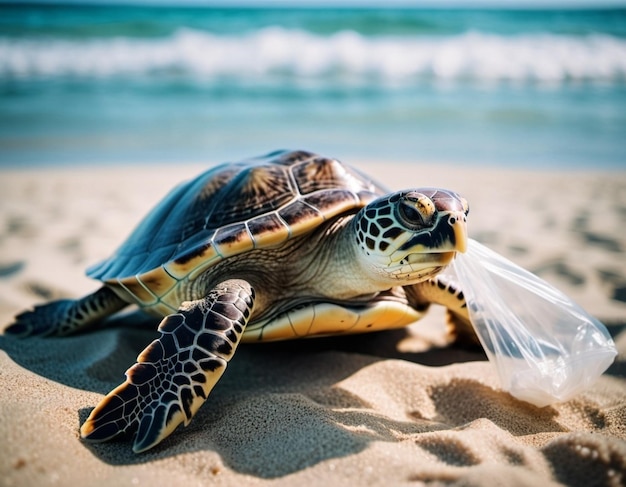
column 174, row 375
column 440, row 290
column 66, row 316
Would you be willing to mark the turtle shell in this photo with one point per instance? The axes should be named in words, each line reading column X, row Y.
column 228, row 210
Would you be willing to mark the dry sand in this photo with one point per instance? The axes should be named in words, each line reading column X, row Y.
column 393, row 408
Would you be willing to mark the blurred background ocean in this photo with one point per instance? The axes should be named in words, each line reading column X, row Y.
column 92, row 84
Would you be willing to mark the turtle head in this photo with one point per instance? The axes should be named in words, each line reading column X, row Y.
column 410, row 235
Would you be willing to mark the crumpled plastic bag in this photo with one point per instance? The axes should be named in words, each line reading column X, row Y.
column 545, row 348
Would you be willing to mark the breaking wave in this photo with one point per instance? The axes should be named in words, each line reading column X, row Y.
column 345, row 56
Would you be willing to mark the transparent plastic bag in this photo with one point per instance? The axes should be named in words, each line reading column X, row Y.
column 545, row 347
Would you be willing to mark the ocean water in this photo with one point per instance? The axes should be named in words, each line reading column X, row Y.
column 94, row 85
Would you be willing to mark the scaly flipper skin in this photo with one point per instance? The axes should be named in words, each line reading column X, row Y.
column 66, row 316
column 174, row 375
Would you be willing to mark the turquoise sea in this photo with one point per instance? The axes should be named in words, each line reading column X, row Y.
column 119, row 84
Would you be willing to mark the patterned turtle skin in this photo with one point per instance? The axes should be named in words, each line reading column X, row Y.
column 283, row 246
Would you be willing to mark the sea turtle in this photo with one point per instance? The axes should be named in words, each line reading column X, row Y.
column 284, row 246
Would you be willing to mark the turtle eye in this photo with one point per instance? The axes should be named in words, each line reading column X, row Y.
column 410, row 216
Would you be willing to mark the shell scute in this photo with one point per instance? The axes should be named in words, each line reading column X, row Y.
column 269, row 229
column 141, row 293
column 255, row 190
column 233, row 239
column 333, row 201
column 158, row 281
column 301, row 217
column 317, row 174
column 186, row 263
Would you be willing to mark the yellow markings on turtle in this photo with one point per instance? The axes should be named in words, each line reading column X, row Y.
column 323, row 319
column 182, row 266
column 162, row 309
column 333, row 202
column 385, row 315
column 319, row 319
column 425, row 207
column 268, row 230
column 233, row 240
column 170, row 301
column 138, row 291
column 158, row 281
column 155, row 305
column 331, row 319
column 292, row 324
column 252, row 334
column 279, row 329
column 301, row 217
column 204, row 265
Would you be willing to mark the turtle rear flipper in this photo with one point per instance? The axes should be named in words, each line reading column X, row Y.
column 66, row 316
column 174, row 375
column 440, row 290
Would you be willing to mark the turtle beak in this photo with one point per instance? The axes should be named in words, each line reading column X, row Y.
column 460, row 235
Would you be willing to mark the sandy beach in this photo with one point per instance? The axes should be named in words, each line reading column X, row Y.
column 390, row 408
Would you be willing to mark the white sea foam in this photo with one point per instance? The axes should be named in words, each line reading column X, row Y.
column 276, row 52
